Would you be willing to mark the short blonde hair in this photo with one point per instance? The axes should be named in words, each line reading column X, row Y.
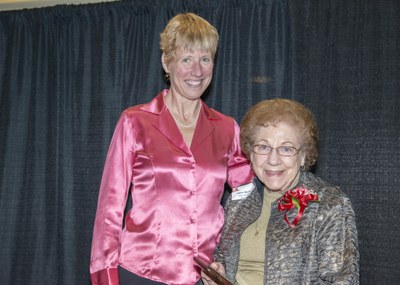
column 188, row 31
column 271, row 112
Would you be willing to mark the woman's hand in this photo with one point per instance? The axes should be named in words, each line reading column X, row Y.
column 218, row 267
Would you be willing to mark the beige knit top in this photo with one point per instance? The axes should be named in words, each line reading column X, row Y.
column 252, row 246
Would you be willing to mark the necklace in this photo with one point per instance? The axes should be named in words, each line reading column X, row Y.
column 183, row 125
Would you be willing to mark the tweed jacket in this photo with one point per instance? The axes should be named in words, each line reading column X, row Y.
column 321, row 249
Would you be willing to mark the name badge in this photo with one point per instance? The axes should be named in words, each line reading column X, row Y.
column 242, row 192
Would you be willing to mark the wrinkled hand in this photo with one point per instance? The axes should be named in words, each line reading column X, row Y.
column 218, row 267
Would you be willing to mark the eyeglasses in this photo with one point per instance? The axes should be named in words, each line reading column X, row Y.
column 286, row 151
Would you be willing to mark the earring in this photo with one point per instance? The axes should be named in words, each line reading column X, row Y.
column 302, row 168
column 166, row 77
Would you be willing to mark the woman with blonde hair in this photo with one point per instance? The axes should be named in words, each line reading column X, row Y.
column 173, row 156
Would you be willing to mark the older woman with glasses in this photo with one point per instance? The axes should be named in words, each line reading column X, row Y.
column 295, row 228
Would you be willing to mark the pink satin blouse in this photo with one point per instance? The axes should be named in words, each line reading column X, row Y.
column 176, row 193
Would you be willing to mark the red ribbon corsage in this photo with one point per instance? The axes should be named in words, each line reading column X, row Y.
column 299, row 198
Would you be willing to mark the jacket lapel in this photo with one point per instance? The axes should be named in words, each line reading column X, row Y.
column 205, row 126
column 166, row 125
column 164, row 122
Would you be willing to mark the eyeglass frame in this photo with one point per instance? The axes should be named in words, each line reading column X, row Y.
column 297, row 150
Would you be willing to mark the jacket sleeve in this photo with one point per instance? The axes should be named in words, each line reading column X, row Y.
column 111, row 204
column 337, row 244
column 239, row 170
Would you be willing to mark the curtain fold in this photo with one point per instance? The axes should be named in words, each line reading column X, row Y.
column 67, row 72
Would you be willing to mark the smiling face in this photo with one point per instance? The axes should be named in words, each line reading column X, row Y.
column 278, row 173
column 190, row 73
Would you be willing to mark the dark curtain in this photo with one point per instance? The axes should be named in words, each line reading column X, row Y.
column 348, row 61
column 67, row 72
